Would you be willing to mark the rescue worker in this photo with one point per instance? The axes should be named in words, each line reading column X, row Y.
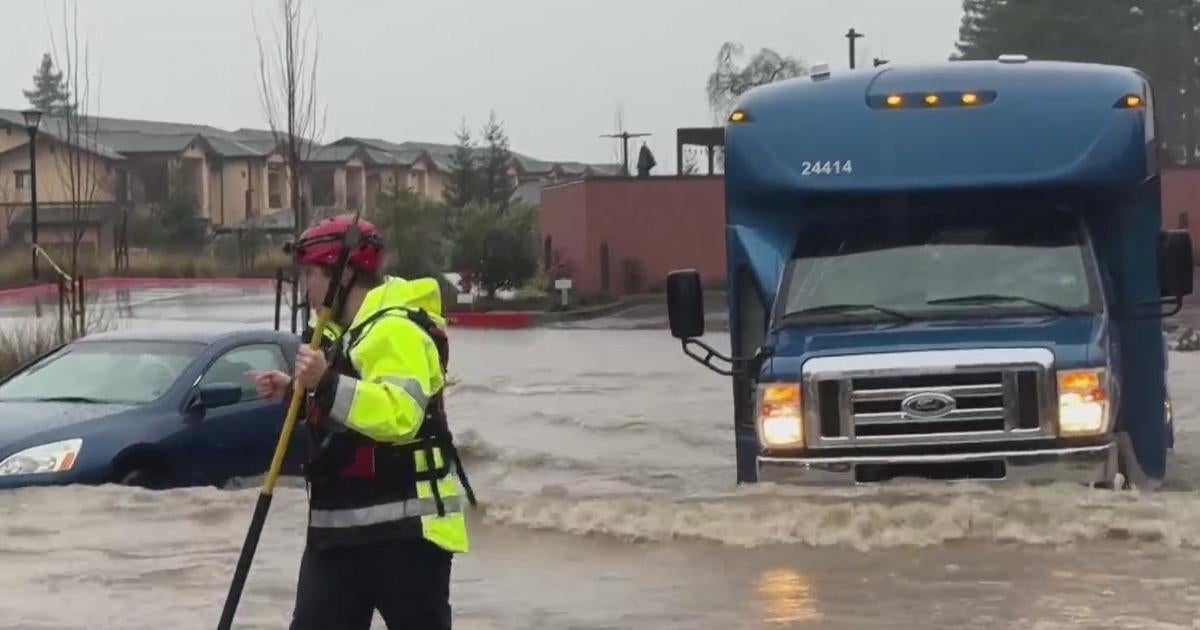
column 383, row 522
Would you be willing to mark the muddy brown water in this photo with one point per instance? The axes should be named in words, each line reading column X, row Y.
column 604, row 462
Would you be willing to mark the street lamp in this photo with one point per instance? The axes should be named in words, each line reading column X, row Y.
column 33, row 119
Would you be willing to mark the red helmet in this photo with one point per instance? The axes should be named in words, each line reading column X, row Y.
column 322, row 243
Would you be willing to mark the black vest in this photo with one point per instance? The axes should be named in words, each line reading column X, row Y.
column 352, row 475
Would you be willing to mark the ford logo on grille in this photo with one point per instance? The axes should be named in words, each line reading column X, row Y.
column 928, row 405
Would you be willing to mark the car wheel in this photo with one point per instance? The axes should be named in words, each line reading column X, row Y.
column 143, row 478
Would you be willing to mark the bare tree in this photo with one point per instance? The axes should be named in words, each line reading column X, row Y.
column 729, row 81
column 80, row 168
column 288, row 90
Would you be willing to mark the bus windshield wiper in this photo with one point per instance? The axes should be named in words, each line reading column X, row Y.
column 842, row 308
column 68, row 399
column 988, row 298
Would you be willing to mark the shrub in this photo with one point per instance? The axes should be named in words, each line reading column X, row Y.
column 498, row 248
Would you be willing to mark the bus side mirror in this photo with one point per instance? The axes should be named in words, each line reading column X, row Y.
column 1175, row 264
column 685, row 304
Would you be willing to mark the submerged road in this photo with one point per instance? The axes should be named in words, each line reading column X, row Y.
column 604, row 462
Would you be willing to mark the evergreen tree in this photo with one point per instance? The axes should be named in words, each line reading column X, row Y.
column 1095, row 31
column 178, row 218
column 497, row 248
column 49, row 93
column 414, row 229
column 462, row 188
column 1159, row 37
column 977, row 32
column 496, row 187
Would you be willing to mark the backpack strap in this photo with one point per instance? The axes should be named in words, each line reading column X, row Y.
column 435, row 430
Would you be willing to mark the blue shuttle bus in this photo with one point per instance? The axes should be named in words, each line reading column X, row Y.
column 954, row 271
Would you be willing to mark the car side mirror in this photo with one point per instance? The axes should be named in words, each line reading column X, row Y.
column 685, row 304
column 216, row 395
column 1175, row 264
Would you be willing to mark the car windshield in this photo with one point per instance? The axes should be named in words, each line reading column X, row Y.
column 125, row 372
column 943, row 264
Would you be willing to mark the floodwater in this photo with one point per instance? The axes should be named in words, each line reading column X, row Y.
column 604, row 464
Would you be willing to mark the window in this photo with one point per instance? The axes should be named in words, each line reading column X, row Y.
column 943, row 263
column 122, row 372
column 233, row 367
column 22, row 180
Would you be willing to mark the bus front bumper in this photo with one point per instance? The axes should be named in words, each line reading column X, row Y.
column 1085, row 464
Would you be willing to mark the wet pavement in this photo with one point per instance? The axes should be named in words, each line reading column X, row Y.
column 604, row 463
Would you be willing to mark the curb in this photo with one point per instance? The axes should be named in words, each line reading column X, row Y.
column 506, row 320
column 542, row 318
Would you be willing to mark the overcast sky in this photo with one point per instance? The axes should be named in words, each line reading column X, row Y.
column 555, row 71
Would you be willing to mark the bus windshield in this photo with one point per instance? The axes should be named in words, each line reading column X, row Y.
column 949, row 263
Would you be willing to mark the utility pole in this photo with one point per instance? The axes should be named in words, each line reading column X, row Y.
column 853, row 35
column 624, row 136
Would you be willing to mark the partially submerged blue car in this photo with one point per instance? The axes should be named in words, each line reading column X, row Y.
column 152, row 408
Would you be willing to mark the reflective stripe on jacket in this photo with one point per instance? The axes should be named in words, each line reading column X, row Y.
column 371, row 479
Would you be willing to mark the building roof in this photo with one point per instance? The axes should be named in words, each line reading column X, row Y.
column 235, row 149
column 333, row 153
column 152, row 127
column 126, row 142
column 442, row 156
column 265, row 140
column 57, row 128
column 114, row 138
column 528, row 194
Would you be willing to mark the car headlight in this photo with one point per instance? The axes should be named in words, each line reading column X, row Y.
column 46, row 458
column 780, row 421
column 1082, row 402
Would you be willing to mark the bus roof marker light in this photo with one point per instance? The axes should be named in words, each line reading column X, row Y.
column 895, row 100
column 738, row 116
column 970, row 98
column 1131, row 101
column 932, row 100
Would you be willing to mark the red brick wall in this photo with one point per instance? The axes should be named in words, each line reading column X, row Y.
column 1181, row 196
column 563, row 219
column 650, row 227
column 667, row 223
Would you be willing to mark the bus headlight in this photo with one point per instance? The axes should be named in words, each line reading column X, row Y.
column 780, row 421
column 1082, row 402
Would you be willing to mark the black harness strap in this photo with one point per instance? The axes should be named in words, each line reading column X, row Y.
column 434, row 431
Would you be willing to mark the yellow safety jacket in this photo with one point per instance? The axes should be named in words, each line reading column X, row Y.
column 378, row 421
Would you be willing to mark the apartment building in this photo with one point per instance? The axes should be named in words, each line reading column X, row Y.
column 236, row 178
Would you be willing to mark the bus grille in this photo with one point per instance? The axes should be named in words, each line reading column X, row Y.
column 934, row 397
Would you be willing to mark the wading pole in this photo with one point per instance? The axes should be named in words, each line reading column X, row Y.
column 264, row 497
